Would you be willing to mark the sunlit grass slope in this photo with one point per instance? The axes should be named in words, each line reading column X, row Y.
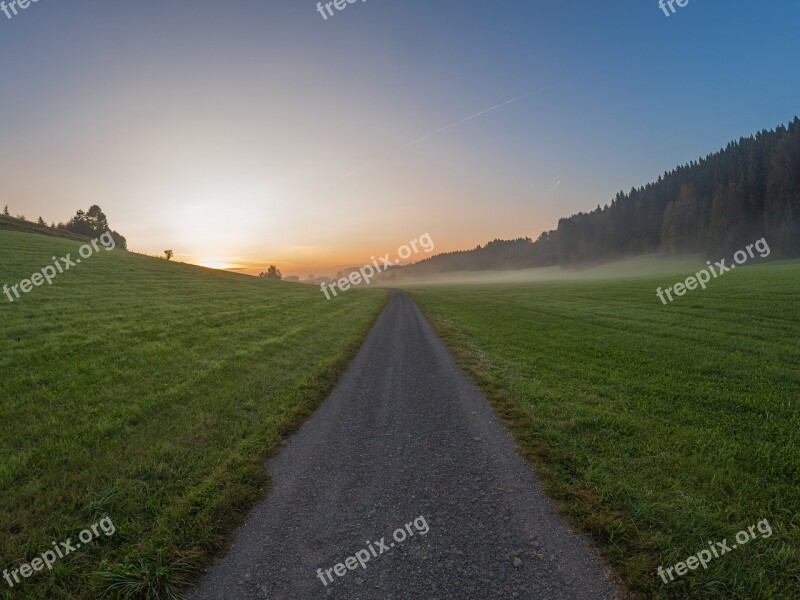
column 150, row 392
column 658, row 428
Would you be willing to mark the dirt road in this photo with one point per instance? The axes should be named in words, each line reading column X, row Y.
column 405, row 435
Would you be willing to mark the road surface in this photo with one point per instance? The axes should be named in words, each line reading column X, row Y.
column 407, row 442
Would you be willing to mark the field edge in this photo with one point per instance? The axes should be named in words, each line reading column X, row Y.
column 576, row 502
column 215, row 509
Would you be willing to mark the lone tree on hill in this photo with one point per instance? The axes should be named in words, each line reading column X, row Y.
column 272, row 273
column 93, row 223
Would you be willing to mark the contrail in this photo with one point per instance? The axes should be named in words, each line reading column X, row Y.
column 475, row 116
column 558, row 183
column 440, row 130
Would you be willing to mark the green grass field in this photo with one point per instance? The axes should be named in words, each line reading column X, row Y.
column 657, row 428
column 149, row 392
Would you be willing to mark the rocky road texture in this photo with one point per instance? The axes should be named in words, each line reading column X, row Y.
column 404, row 435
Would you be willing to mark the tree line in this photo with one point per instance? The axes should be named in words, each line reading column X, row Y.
column 91, row 224
column 714, row 206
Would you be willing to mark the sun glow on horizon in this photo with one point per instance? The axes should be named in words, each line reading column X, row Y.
column 216, row 263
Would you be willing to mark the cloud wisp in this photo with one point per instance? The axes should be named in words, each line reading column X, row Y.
column 435, row 133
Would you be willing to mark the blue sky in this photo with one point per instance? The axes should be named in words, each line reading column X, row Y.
column 223, row 130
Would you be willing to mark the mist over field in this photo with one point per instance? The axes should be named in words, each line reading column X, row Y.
column 640, row 266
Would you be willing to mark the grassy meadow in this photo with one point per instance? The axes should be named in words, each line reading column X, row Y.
column 149, row 392
column 656, row 428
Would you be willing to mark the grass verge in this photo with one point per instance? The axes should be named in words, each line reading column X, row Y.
column 656, row 428
column 150, row 392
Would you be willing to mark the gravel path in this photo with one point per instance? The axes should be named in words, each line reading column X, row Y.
column 405, row 435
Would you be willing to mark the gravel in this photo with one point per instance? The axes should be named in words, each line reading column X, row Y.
column 405, row 434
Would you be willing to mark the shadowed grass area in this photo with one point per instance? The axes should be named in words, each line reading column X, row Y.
column 150, row 392
column 657, row 428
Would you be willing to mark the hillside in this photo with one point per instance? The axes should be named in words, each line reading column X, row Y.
column 149, row 392
column 10, row 223
column 714, row 206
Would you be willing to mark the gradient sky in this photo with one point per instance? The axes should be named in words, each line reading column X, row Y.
column 226, row 130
